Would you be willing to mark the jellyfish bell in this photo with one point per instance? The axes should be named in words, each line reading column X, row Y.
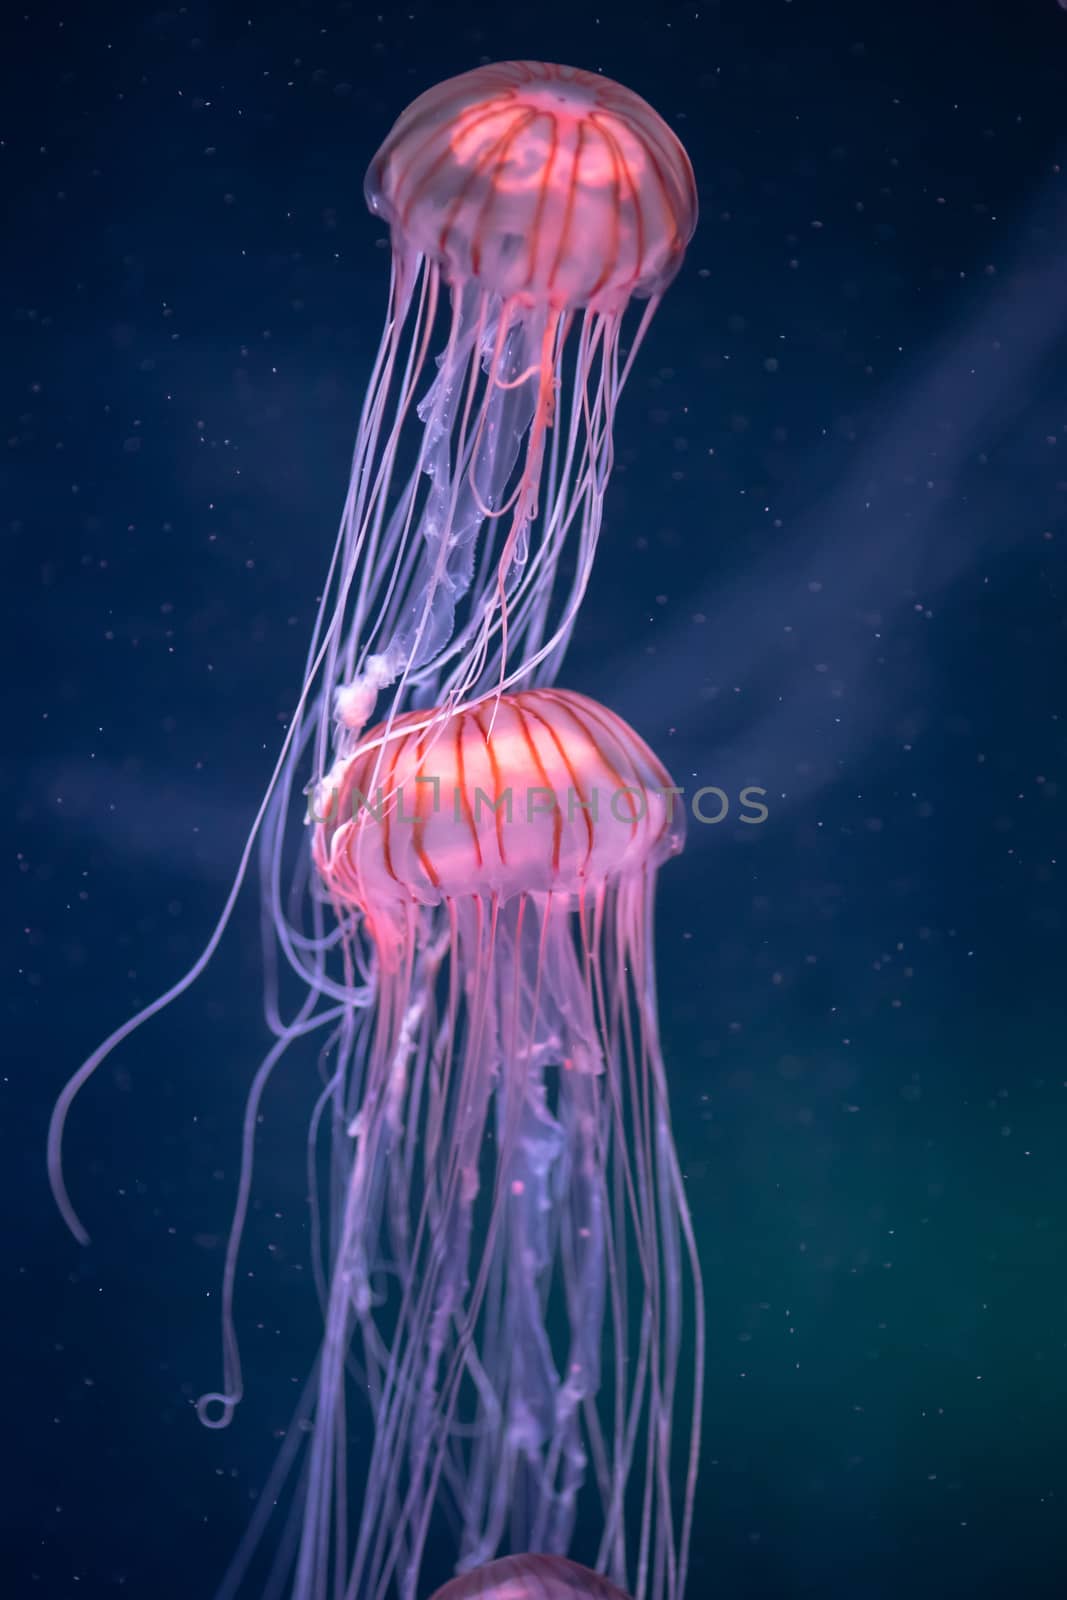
column 541, row 182
column 530, row 1577
column 542, row 791
column 512, row 1148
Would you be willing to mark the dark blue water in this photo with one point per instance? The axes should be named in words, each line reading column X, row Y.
column 832, row 566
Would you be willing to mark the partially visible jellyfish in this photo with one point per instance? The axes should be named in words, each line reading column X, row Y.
column 510, row 1241
column 530, row 1577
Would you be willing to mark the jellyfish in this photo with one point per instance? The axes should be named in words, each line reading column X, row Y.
column 539, row 201
column 530, row 1577
column 512, row 1257
column 530, row 207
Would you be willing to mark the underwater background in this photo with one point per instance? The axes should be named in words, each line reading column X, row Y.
column 832, row 566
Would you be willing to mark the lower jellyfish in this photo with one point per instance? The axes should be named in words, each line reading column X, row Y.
column 510, row 1236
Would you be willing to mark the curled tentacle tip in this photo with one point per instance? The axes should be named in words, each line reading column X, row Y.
column 206, row 1414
